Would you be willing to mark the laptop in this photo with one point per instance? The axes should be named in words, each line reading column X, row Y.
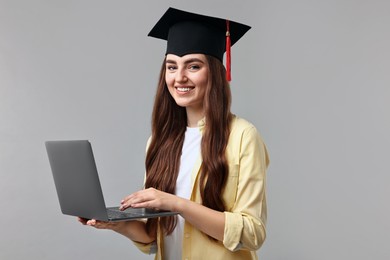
column 78, row 187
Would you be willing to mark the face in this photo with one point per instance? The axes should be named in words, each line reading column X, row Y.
column 187, row 79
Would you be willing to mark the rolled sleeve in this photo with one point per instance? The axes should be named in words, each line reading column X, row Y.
column 243, row 231
column 233, row 230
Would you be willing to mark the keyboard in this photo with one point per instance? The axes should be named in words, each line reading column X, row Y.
column 115, row 213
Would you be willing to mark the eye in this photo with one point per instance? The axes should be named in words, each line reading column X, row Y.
column 171, row 67
column 194, row 67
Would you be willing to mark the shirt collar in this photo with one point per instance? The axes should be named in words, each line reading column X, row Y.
column 202, row 123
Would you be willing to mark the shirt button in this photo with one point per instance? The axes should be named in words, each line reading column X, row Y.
column 186, row 235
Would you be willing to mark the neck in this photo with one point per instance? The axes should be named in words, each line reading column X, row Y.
column 193, row 117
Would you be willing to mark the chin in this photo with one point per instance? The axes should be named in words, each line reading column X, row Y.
column 182, row 104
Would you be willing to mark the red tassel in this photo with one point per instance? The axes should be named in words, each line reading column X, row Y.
column 228, row 54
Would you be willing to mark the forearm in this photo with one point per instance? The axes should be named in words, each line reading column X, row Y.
column 209, row 221
column 134, row 230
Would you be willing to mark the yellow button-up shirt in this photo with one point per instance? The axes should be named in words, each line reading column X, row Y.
column 244, row 197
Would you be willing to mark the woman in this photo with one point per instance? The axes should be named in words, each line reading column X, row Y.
column 202, row 161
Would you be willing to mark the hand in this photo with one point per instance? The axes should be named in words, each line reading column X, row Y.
column 151, row 198
column 100, row 224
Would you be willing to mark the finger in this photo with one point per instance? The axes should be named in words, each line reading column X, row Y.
column 91, row 222
column 125, row 199
column 104, row 225
column 129, row 197
column 128, row 204
column 97, row 224
column 146, row 204
column 138, row 194
column 141, row 196
column 82, row 220
column 134, row 198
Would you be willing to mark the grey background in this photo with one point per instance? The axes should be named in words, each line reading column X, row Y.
column 313, row 76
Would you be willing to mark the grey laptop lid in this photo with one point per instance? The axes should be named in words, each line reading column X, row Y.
column 78, row 187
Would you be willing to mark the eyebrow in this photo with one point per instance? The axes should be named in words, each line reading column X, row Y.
column 186, row 62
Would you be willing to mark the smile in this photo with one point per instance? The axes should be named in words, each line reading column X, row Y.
column 184, row 89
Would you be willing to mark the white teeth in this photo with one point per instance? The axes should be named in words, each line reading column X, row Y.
column 184, row 89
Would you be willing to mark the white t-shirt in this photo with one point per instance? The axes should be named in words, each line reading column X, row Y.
column 189, row 155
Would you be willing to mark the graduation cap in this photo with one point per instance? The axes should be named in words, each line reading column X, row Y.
column 188, row 33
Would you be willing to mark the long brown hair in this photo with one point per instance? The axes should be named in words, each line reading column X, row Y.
column 169, row 122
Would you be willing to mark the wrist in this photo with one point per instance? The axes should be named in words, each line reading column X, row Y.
column 179, row 205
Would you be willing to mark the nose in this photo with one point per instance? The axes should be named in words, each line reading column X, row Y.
column 180, row 75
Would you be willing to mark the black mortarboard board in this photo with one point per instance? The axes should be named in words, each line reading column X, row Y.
column 188, row 33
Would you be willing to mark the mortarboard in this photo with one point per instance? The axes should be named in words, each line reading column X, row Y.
column 188, row 33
